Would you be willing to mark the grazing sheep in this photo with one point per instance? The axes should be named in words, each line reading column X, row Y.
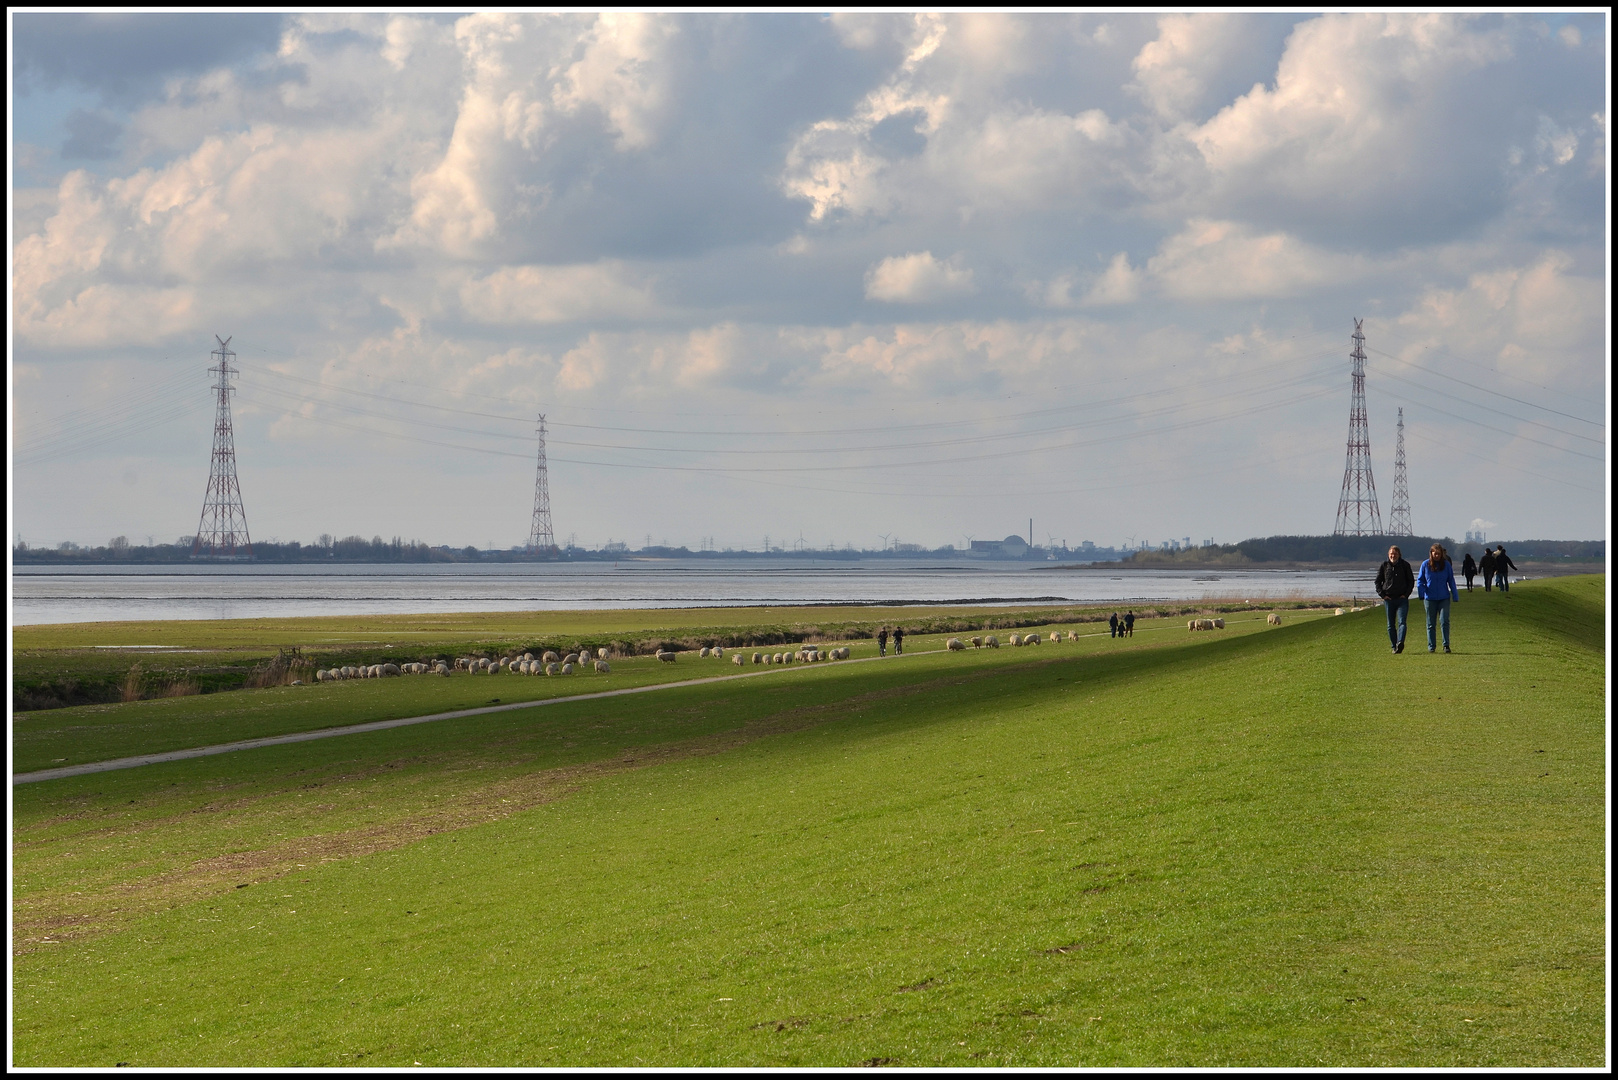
column 719, row 652
column 738, row 659
column 571, row 658
column 758, row 658
column 991, row 642
column 567, row 668
column 775, row 658
column 954, row 644
column 550, row 657
column 1073, row 635
column 1030, row 639
column 603, row 667
column 527, row 657
column 390, row 669
column 601, row 653
column 1056, row 635
column 1219, row 624
column 704, row 652
column 553, row 668
column 977, row 642
column 1339, row 611
column 1273, row 619
column 666, row 657
column 320, row 676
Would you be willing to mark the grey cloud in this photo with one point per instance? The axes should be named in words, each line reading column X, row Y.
column 91, row 136
column 127, row 56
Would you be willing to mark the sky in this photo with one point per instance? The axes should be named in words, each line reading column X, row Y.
column 849, row 279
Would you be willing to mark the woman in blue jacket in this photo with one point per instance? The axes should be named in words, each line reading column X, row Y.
column 1435, row 585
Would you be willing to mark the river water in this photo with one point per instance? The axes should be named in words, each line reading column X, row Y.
column 46, row 594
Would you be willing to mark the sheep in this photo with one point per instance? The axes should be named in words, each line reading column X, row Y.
column 775, row 658
column 718, row 652
column 550, row 657
column 1219, row 624
column 1015, row 640
column 991, row 642
column 553, row 668
column 601, row 653
column 977, row 642
column 787, row 658
column 704, row 652
column 1073, row 635
column 738, row 659
column 1339, row 611
column 666, row 657
column 1273, row 619
column 954, row 644
column 1056, row 635
column 567, row 668
column 390, row 669
column 528, row 657
column 1030, row 639
column 603, row 667
column 1200, row 624
column 320, row 676
column 571, row 658
column 758, row 658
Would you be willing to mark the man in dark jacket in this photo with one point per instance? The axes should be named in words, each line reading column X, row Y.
column 882, row 642
column 1502, row 563
column 898, row 640
column 1112, row 624
column 1469, row 570
column 1395, row 581
column 1486, row 568
column 1129, row 624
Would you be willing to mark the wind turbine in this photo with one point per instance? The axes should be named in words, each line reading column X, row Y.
column 884, row 537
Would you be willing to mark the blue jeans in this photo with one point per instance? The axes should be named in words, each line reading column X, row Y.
column 1437, row 612
column 1500, row 581
column 1398, row 612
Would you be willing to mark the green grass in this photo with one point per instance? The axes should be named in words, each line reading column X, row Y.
column 1272, row 847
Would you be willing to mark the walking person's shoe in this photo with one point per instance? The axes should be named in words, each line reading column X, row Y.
column 1399, row 648
column 1446, row 648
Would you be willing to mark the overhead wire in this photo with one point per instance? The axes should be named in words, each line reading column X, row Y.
column 1503, row 431
column 1487, row 408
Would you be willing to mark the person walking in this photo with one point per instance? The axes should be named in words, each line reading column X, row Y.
column 1112, row 624
column 1502, row 563
column 882, row 642
column 1469, row 569
column 1395, row 581
column 1129, row 624
column 898, row 640
column 1486, row 568
column 1435, row 584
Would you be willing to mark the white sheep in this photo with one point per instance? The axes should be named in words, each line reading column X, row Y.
column 1056, row 635
column 1273, row 619
column 977, row 642
column 1339, row 611
column 567, row 668
column 1219, row 624
column 550, row 657
column 601, row 653
column 758, row 658
column 738, row 659
column 1031, row 639
column 666, row 657
column 719, row 652
column 553, row 668
column 1073, row 635
column 704, row 652
column 955, row 644
column 991, row 642
column 603, row 667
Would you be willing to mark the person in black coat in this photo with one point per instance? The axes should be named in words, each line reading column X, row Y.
column 898, row 640
column 882, row 642
column 1502, row 563
column 1112, row 624
column 1468, row 570
column 1395, row 581
column 1129, row 624
column 1486, row 568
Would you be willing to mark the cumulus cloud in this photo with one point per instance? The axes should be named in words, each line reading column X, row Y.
column 918, row 278
column 552, row 294
column 766, row 216
column 1223, row 260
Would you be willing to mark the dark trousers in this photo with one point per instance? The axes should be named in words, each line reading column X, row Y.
column 1398, row 613
column 1469, row 583
column 1488, row 576
column 1500, row 581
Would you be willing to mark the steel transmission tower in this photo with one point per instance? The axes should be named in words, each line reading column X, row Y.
column 222, row 532
column 1399, row 514
column 1357, row 510
column 541, row 539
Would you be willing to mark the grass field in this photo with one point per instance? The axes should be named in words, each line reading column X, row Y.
column 1255, row 847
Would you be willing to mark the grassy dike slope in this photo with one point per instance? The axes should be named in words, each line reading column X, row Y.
column 1283, row 848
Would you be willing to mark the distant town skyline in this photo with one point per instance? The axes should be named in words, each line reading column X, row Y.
column 850, row 277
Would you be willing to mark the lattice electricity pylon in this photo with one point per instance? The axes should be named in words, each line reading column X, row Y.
column 1357, row 510
column 1399, row 515
column 541, row 539
column 222, row 532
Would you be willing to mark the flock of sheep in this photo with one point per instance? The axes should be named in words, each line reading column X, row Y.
column 552, row 663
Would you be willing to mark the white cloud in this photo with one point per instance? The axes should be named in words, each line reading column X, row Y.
column 1223, row 260
column 1120, row 284
column 918, row 278
column 553, row 294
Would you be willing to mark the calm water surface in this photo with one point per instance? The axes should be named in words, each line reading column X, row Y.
column 107, row 593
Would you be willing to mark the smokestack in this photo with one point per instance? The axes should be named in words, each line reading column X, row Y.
column 1030, row 532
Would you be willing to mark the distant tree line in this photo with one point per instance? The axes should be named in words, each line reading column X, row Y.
column 1363, row 549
